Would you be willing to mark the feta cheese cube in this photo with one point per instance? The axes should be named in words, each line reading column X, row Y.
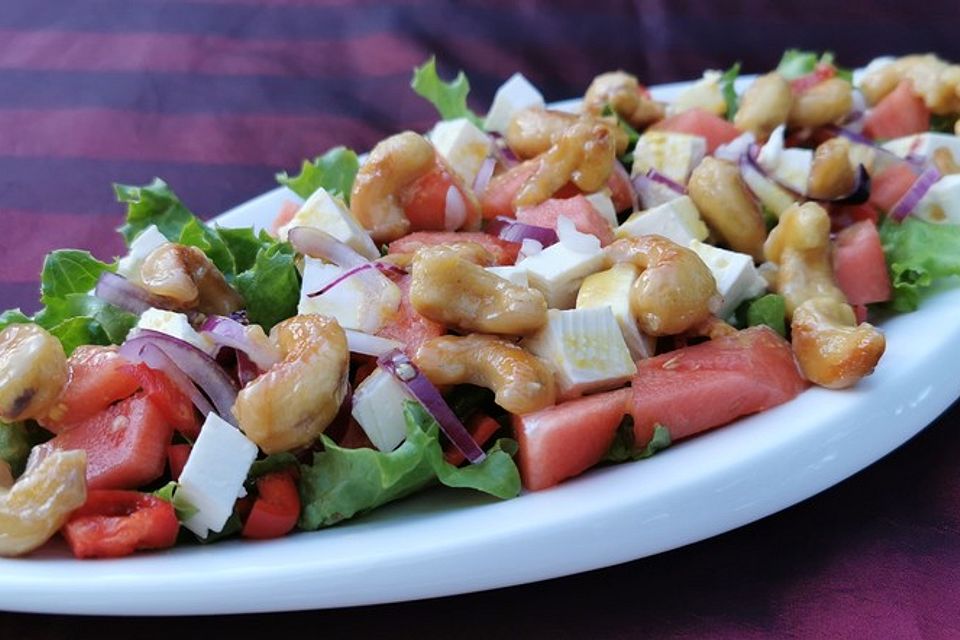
column 791, row 167
column 176, row 325
column 602, row 202
column 558, row 270
column 463, row 146
column 941, row 204
column 323, row 211
column 142, row 246
column 611, row 288
column 924, row 144
column 675, row 155
column 737, row 277
column 213, row 477
column 515, row 94
column 515, row 274
column 585, row 349
column 378, row 409
column 363, row 302
column 771, row 195
column 676, row 220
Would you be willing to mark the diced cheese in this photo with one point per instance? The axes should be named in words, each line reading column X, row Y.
column 558, row 270
column 515, row 274
column 704, row 94
column 737, row 277
column 378, row 409
column 176, row 325
column 602, row 202
column 611, row 288
column 677, row 220
column 323, row 211
column 771, row 195
column 675, row 155
column 363, row 302
column 142, row 246
column 463, row 146
column 585, row 349
column 791, row 167
column 941, row 203
column 924, row 144
column 515, row 94
column 212, row 479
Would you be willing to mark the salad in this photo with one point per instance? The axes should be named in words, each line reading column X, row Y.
column 499, row 304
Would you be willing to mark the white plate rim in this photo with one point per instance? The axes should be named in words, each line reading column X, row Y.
column 445, row 542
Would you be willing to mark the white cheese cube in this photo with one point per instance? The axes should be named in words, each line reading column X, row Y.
column 515, row 274
column 142, row 246
column 602, row 202
column 176, row 325
column 463, row 146
column 737, row 277
column 611, row 288
column 791, row 167
column 704, row 94
column 771, row 195
column 323, row 211
column 363, row 302
column 378, row 409
column 675, row 155
column 676, row 220
column 213, row 477
column 941, row 204
column 515, row 94
column 924, row 144
column 558, row 270
column 585, row 349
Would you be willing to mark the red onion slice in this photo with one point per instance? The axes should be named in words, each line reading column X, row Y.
column 915, row 193
column 247, row 371
column 455, row 209
column 154, row 357
column 660, row 178
column 120, row 292
column 226, row 332
column 198, row 366
column 320, row 244
column 513, row 231
column 383, row 267
column 403, row 369
column 858, row 194
column 484, row 174
column 368, row 345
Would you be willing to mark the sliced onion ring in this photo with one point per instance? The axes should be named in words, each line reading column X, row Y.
column 658, row 177
column 454, row 209
column 403, row 369
column 858, row 194
column 320, row 244
column 513, row 231
column 120, row 292
column 154, row 357
column 227, row 332
column 368, row 345
column 484, row 174
column 908, row 202
column 383, row 267
column 198, row 366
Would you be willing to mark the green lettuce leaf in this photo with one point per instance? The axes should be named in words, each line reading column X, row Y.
column 170, row 493
column 13, row 316
column 14, row 445
column 197, row 234
column 68, row 271
column 271, row 287
column 156, row 204
column 342, row 483
column 918, row 253
column 449, row 98
column 727, row 81
column 796, row 63
column 335, row 171
column 624, row 446
column 244, row 244
column 769, row 309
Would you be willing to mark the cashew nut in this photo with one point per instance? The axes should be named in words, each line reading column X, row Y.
column 40, row 501
column 832, row 175
column 727, row 207
column 622, row 93
column 33, row 370
column 189, row 280
column 533, row 131
column 937, row 82
column 674, row 292
column 448, row 289
column 291, row 404
column 824, row 103
column 833, row 351
column 521, row 382
column 764, row 106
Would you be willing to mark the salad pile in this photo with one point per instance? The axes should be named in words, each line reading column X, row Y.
column 501, row 303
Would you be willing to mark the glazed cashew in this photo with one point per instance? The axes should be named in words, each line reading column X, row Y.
column 622, row 93
column 824, row 103
column 726, row 206
column 33, row 370
column 534, row 130
column 833, row 351
column 453, row 291
column 189, row 280
column 291, row 404
column 832, row 174
column 40, row 501
column 584, row 155
column 937, row 82
column 393, row 164
column 674, row 292
column 521, row 382
column 764, row 106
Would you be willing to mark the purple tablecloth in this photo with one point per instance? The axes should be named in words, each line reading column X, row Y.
column 216, row 96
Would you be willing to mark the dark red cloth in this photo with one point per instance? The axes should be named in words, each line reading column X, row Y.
column 215, row 96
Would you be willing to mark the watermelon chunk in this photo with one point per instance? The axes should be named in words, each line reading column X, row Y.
column 859, row 264
column 577, row 209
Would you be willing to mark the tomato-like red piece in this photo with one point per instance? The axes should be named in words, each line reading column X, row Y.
column 112, row 524
column 277, row 508
column 424, row 201
column 177, row 455
column 900, row 113
column 175, row 406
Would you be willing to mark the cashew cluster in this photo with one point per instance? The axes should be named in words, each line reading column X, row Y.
column 764, row 106
column 832, row 174
column 622, row 93
column 675, row 290
column 825, row 103
column 187, row 278
column 934, row 80
column 521, row 382
column 291, row 404
column 33, row 370
column 729, row 210
column 534, row 130
column 451, row 290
